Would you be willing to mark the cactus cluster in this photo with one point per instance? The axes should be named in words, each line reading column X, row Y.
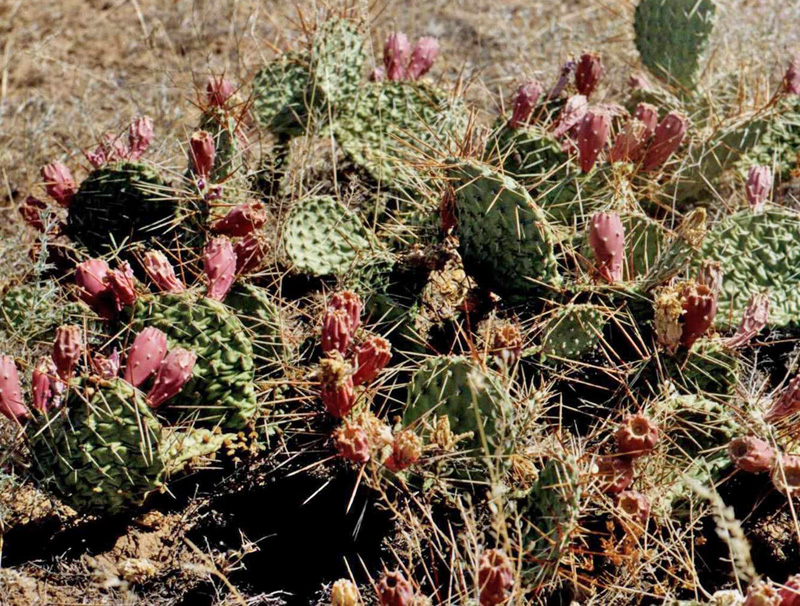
column 533, row 341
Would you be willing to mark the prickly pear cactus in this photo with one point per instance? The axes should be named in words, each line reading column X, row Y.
column 119, row 204
column 280, row 101
column 267, row 329
column 573, row 331
column 221, row 390
column 472, row 399
column 337, row 60
column 101, row 451
column 527, row 152
column 504, row 238
column 387, row 127
column 645, row 240
column 321, row 237
column 780, row 142
column 673, row 37
column 757, row 252
column 229, row 158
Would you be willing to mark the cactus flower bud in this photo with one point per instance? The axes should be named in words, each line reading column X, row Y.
column 762, row 593
column 634, row 504
column 344, row 593
column 377, row 75
column 31, row 211
column 647, row 114
column 202, row 151
column 786, row 475
column 758, row 186
column 172, row 374
column 710, row 275
column 370, row 358
column 637, row 435
column 754, row 319
column 106, row 367
column 630, row 143
column 336, row 332
column 588, row 73
column 396, row 54
column 218, row 91
column 337, row 393
column 406, row 450
column 615, row 473
column 790, row 592
column 91, row 278
column 11, row 404
column 140, row 136
column 699, row 309
column 666, row 140
column 495, row 578
column 788, row 403
column 46, row 386
column 607, row 239
column 59, row 183
column 351, row 303
column 791, row 80
column 571, row 115
column 564, row 76
column 109, row 149
column 352, row 442
column 122, row 284
column 422, row 57
column 67, row 350
column 250, row 253
column 395, row 590
column 751, row 454
column 219, row 265
column 242, row 219
column 527, row 96
column 145, row 356
column 161, row 272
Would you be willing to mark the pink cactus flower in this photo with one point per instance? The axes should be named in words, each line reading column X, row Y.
column 396, row 54
column 762, row 593
column 45, row 385
column 788, row 403
column 140, row 136
column 699, row 309
column 647, row 114
column 371, row 357
column 219, row 265
column 395, row 590
column 635, row 505
column 110, row 149
column 202, row 151
column 122, row 284
column 336, row 331
column 527, row 97
column 145, row 356
column 571, row 115
column 162, row 273
column 588, row 73
column 31, row 211
column 352, row 443
column 172, row 374
column 667, row 139
column 250, row 253
column 337, row 391
column 67, row 350
column 59, row 183
column 630, row 143
column 11, row 404
column 754, row 319
column 406, row 451
column 495, row 578
column 564, row 76
column 242, row 219
column 758, row 186
column 422, row 57
column 607, row 240
column 218, row 91
column 106, row 367
column 91, row 277
column 751, row 454
column 638, row 435
column 351, row 303
column 615, row 473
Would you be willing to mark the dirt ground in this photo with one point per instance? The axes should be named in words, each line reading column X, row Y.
column 74, row 69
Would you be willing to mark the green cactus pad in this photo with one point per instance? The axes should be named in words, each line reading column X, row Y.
column 389, row 127
column 757, row 252
column 121, row 203
column 229, row 161
column 321, row 237
column 261, row 317
column 101, row 451
column 573, row 331
column 471, row 398
column 780, row 142
column 280, row 101
column 337, row 60
column 673, row 36
column 504, row 238
column 221, row 390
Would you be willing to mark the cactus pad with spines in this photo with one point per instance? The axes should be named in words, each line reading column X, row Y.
column 757, row 252
column 280, row 101
column 505, row 239
column 121, row 203
column 337, row 60
column 221, row 390
column 673, row 37
column 573, row 331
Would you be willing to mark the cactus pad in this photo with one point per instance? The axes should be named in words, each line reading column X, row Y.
column 337, row 60
column 573, row 331
column 279, row 95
